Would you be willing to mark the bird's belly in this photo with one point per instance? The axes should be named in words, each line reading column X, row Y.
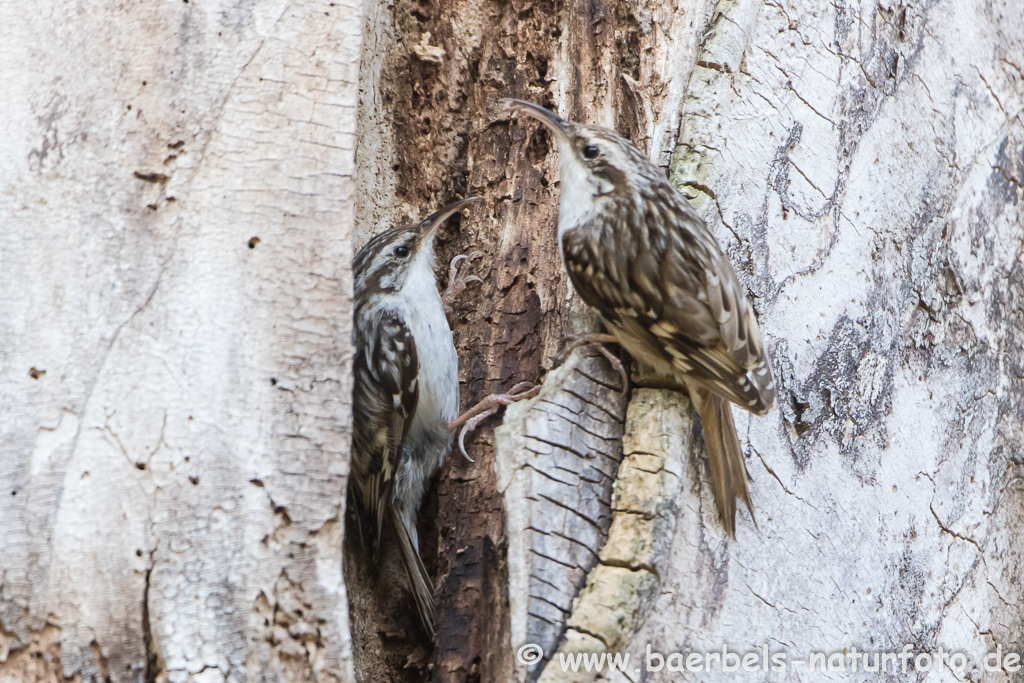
column 438, row 379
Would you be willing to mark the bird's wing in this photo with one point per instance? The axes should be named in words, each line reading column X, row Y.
column 678, row 297
column 384, row 402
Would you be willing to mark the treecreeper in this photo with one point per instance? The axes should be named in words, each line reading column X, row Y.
column 406, row 392
column 637, row 252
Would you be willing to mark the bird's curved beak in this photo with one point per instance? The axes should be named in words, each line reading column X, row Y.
column 559, row 126
column 434, row 221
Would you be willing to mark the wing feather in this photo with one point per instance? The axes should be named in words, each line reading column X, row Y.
column 679, row 302
column 384, row 403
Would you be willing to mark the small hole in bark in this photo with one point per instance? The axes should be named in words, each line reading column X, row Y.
column 144, row 83
column 129, row 107
column 14, row 493
column 138, row 553
column 273, row 381
column 140, row 465
column 178, row 144
column 253, row 241
column 256, row 482
column 194, row 480
column 35, row 373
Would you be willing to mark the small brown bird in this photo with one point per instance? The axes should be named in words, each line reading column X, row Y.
column 406, row 390
column 637, row 252
column 406, row 395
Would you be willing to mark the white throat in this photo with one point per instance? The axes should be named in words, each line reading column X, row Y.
column 582, row 193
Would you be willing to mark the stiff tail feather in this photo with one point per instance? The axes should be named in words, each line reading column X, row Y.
column 419, row 580
column 725, row 460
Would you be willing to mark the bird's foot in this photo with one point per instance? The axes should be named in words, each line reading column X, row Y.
column 458, row 280
column 470, row 419
column 598, row 341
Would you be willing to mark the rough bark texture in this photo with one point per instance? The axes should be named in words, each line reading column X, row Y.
column 175, row 301
column 625, row 583
column 862, row 163
column 557, row 457
column 426, row 135
column 176, row 192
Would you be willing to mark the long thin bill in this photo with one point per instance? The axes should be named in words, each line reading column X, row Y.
column 550, row 119
column 436, row 219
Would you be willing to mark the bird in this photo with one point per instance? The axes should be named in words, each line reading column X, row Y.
column 406, row 383
column 637, row 252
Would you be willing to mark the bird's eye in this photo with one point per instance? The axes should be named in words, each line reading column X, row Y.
column 401, row 251
column 591, row 152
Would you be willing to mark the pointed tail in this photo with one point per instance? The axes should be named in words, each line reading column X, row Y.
column 419, row 580
column 725, row 460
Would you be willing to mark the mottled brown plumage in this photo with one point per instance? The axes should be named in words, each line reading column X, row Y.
column 406, row 389
column 636, row 251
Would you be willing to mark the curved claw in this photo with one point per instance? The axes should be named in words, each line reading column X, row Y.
column 471, row 424
column 522, row 387
column 472, row 418
column 462, row 443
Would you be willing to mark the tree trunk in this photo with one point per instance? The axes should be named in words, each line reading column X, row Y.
column 176, row 315
column 177, row 204
column 861, row 163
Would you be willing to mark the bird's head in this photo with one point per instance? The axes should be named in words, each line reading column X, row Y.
column 597, row 164
column 384, row 263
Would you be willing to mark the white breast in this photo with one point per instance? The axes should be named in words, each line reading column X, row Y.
column 421, row 308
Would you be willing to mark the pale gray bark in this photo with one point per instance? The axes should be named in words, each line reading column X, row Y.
column 557, row 457
column 174, row 409
column 177, row 206
column 862, row 164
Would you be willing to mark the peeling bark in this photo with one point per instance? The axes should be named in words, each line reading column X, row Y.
column 625, row 584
